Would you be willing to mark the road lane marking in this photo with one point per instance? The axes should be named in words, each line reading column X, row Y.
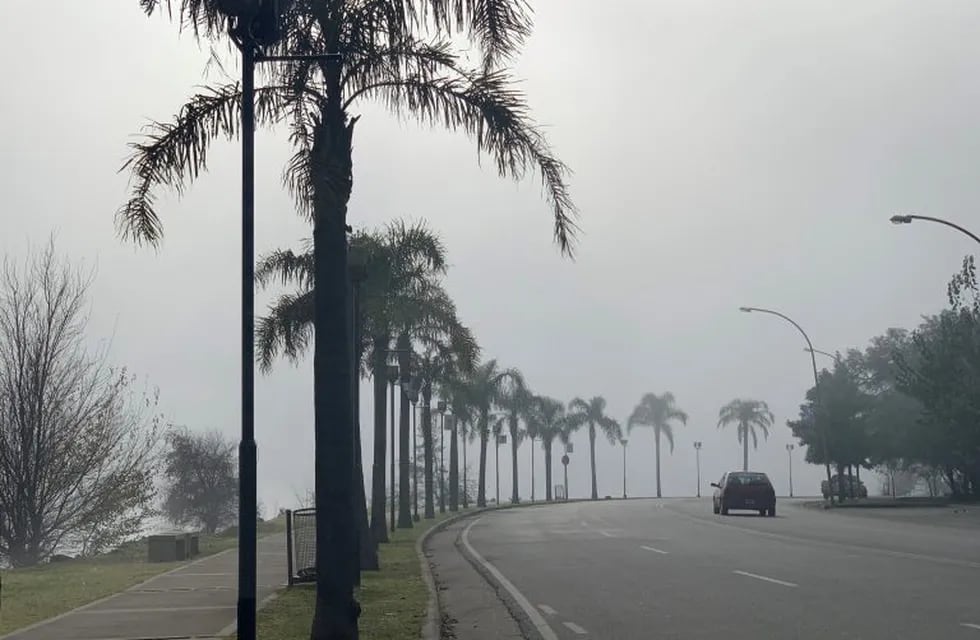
column 536, row 618
column 547, row 609
column 584, row 524
column 772, row 580
column 970, row 625
column 574, row 628
column 606, row 533
column 654, row 550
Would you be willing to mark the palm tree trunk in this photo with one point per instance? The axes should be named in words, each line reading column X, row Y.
column 430, row 511
column 656, row 440
column 547, row 471
column 404, row 437
column 454, row 469
column 745, row 447
column 481, row 489
column 595, row 488
column 336, row 611
column 515, row 493
column 379, row 525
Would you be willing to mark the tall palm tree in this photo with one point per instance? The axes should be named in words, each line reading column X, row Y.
column 485, row 385
column 400, row 260
column 593, row 414
column 549, row 422
column 453, row 388
column 448, row 350
column 658, row 412
column 748, row 415
column 515, row 401
column 402, row 53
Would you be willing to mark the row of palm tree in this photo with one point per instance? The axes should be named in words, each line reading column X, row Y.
column 413, row 57
column 548, row 419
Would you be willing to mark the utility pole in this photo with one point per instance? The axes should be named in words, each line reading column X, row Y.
column 789, row 452
column 697, row 457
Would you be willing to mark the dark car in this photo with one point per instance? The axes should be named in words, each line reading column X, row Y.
column 749, row 490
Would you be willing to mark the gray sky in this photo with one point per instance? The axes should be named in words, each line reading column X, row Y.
column 724, row 154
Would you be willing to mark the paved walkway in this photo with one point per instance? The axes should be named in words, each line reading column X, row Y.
column 197, row 600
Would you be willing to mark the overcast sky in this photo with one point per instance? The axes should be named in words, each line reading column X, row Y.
column 725, row 154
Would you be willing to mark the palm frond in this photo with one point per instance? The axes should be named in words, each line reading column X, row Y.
column 287, row 329
column 287, row 266
column 499, row 26
column 494, row 114
column 175, row 153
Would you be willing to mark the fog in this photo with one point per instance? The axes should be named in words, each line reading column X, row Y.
column 724, row 154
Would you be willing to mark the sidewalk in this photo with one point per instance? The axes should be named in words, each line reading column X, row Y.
column 469, row 607
column 197, row 600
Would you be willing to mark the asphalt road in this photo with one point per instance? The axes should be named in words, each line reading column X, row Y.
column 649, row 569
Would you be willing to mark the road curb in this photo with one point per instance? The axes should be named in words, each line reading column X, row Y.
column 432, row 625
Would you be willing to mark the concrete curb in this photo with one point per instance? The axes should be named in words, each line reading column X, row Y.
column 432, row 626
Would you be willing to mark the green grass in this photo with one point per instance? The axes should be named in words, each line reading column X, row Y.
column 37, row 593
column 393, row 600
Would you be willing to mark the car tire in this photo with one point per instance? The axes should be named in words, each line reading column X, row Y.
column 763, row 512
column 772, row 511
column 715, row 508
column 724, row 509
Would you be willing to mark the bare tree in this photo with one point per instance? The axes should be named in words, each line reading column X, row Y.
column 202, row 482
column 78, row 444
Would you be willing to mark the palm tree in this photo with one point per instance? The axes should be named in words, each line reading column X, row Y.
column 515, row 400
column 400, row 260
column 485, row 385
column 593, row 413
column 658, row 412
column 448, row 351
column 403, row 54
column 748, row 415
column 456, row 394
column 549, row 422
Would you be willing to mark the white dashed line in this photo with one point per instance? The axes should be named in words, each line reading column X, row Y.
column 764, row 578
column 970, row 625
column 661, row 551
column 606, row 533
column 548, row 610
column 574, row 628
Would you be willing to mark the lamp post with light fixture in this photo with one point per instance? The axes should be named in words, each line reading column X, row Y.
column 816, row 382
column 789, row 453
column 907, row 219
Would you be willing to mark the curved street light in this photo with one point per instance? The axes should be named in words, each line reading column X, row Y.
column 816, row 379
column 907, row 219
column 835, row 356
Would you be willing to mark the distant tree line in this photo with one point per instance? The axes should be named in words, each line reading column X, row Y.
column 908, row 402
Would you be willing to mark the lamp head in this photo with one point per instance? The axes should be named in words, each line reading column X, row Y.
column 901, row 219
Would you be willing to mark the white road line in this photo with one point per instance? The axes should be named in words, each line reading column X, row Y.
column 606, row 533
column 547, row 609
column 536, row 619
column 654, row 550
column 970, row 625
column 93, row 612
column 574, row 628
column 758, row 577
column 584, row 524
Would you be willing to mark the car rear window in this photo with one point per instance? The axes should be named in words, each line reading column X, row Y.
column 748, row 478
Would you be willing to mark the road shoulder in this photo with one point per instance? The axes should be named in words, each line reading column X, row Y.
column 469, row 607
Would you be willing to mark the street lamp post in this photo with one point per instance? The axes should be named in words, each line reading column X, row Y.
column 453, row 465
column 907, row 219
column 789, row 453
column 413, row 397
column 392, row 381
column 697, row 457
column 816, row 380
column 624, row 442
column 441, row 408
